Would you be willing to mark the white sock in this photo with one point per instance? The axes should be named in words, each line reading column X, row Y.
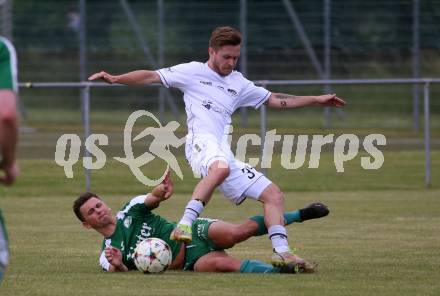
column 192, row 212
column 278, row 236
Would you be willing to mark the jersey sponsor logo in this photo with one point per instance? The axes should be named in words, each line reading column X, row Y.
column 220, row 87
column 232, row 92
column 198, row 148
column 200, row 230
column 210, row 106
column 206, row 82
column 207, row 104
column 127, row 222
column 169, row 69
column 145, row 233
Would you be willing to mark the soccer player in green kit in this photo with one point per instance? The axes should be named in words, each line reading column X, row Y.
column 206, row 253
column 8, row 133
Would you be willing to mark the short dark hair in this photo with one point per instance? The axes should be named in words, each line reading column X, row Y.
column 222, row 36
column 82, row 199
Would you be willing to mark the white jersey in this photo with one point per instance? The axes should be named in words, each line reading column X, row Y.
column 211, row 99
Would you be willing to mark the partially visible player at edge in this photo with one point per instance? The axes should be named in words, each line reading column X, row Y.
column 212, row 92
column 136, row 221
column 8, row 133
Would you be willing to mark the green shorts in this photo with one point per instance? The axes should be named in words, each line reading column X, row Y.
column 8, row 65
column 201, row 244
column 4, row 250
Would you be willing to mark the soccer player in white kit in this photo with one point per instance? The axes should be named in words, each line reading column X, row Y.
column 212, row 93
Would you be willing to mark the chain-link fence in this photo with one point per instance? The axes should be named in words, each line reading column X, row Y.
column 60, row 40
column 65, row 40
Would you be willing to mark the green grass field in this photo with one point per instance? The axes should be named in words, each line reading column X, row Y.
column 381, row 237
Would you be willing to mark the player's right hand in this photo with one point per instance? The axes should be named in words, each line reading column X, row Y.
column 103, row 76
column 165, row 189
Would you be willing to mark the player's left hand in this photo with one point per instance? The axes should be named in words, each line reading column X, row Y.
column 330, row 100
column 114, row 256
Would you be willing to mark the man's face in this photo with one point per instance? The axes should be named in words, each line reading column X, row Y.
column 224, row 59
column 96, row 213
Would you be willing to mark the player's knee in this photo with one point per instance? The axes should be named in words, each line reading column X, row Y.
column 8, row 117
column 279, row 196
column 273, row 196
column 220, row 173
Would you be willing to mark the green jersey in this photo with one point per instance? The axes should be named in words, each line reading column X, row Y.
column 8, row 65
column 136, row 222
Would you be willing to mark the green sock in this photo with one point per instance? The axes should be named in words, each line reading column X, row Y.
column 289, row 218
column 261, row 226
column 254, row 266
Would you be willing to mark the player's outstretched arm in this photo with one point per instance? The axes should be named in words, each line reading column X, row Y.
column 139, row 77
column 161, row 192
column 281, row 101
column 114, row 257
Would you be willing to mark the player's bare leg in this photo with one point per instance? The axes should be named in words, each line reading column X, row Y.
column 225, row 235
column 220, row 261
column 218, row 172
column 217, row 261
column 273, row 204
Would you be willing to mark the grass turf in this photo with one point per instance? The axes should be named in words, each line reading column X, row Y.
column 380, row 238
column 372, row 243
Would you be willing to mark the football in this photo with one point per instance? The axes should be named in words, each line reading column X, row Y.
column 152, row 255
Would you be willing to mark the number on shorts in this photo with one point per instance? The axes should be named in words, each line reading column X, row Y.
column 247, row 170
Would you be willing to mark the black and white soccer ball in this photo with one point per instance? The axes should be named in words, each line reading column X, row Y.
column 152, row 255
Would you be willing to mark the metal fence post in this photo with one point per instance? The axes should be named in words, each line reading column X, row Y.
column 416, row 62
column 85, row 100
column 327, row 49
column 263, row 129
column 160, row 54
column 427, row 136
column 243, row 56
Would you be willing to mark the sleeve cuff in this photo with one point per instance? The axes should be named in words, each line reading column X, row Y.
column 162, row 78
column 265, row 98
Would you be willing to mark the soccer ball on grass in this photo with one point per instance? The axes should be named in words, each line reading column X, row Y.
column 152, row 255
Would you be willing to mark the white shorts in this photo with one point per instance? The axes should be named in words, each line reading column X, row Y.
column 243, row 180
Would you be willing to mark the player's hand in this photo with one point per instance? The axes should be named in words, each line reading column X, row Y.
column 330, row 100
column 114, row 256
column 165, row 189
column 168, row 186
column 11, row 173
column 103, row 76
